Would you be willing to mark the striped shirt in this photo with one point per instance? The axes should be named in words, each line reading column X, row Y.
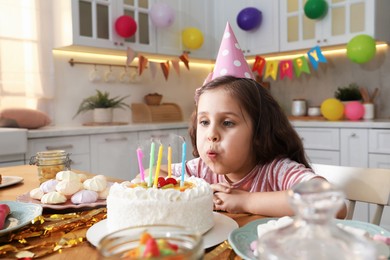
column 275, row 176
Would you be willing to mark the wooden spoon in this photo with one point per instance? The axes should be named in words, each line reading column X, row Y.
column 374, row 94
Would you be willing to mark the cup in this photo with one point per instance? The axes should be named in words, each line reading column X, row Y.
column 298, row 107
column 95, row 76
column 126, row 242
column 125, row 77
column 369, row 111
column 314, row 111
column 109, row 76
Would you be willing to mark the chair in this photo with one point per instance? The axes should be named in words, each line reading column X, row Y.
column 359, row 184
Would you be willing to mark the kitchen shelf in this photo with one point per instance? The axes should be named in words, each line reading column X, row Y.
column 73, row 62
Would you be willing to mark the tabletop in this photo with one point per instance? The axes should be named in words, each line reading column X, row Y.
column 84, row 248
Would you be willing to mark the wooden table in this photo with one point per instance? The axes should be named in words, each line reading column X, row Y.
column 84, row 250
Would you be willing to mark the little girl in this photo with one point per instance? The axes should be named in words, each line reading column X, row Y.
column 245, row 147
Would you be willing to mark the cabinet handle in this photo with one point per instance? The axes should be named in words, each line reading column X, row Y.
column 116, row 139
column 302, row 139
column 325, row 40
column 59, row 147
column 318, row 41
column 159, row 136
column 353, row 135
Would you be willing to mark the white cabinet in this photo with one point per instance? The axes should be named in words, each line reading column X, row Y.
column 263, row 40
column 343, row 21
column 91, row 23
column 322, row 145
column 114, row 155
column 354, row 147
column 76, row 146
column 188, row 13
column 379, row 148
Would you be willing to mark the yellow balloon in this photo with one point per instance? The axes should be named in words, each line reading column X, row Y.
column 332, row 109
column 192, row 38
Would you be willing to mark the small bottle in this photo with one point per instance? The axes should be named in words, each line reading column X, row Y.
column 50, row 163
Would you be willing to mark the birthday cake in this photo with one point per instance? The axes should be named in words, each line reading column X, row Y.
column 130, row 204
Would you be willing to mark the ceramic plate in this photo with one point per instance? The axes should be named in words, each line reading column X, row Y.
column 67, row 205
column 216, row 235
column 10, row 180
column 21, row 215
column 241, row 238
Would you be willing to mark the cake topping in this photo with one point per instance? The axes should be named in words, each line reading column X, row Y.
column 53, row 197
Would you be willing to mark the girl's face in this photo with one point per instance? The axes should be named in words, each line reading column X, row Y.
column 224, row 134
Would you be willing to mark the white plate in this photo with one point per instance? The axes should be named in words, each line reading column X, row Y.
column 21, row 215
column 10, row 180
column 216, row 235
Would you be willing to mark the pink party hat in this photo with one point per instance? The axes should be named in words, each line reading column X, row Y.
column 231, row 60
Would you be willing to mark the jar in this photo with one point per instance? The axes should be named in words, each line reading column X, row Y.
column 314, row 234
column 125, row 242
column 298, row 107
column 50, row 163
column 314, row 111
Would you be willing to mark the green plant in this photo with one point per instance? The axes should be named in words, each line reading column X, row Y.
column 101, row 100
column 348, row 93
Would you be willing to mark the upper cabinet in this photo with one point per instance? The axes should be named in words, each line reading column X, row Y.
column 344, row 20
column 264, row 39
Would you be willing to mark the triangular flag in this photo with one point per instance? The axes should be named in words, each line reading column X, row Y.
column 271, row 69
column 315, row 56
column 165, row 69
column 286, row 69
column 153, row 68
column 130, row 55
column 176, row 66
column 259, row 65
column 300, row 65
column 142, row 62
column 184, row 59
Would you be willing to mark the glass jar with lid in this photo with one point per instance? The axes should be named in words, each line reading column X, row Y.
column 50, row 163
column 314, row 233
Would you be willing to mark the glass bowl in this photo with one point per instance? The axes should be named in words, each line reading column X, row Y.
column 119, row 244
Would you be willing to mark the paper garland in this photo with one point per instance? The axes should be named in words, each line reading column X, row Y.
column 287, row 68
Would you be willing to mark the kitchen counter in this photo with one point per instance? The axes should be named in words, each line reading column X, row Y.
column 377, row 123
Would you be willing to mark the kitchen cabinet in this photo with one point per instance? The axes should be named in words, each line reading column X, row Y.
column 322, row 145
column 379, row 148
column 91, row 23
column 263, row 40
column 76, row 146
column 344, row 20
column 115, row 155
column 354, row 147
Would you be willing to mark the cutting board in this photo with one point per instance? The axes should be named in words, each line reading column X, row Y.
column 307, row 118
column 166, row 112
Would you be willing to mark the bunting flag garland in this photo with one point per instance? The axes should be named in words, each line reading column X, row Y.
column 130, row 55
column 153, row 68
column 142, row 62
column 165, row 69
column 176, row 66
column 315, row 56
column 184, row 59
column 301, row 65
column 259, row 65
column 271, row 69
column 286, row 69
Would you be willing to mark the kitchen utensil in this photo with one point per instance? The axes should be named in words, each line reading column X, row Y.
column 374, row 94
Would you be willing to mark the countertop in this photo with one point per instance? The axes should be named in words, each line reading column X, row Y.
column 56, row 131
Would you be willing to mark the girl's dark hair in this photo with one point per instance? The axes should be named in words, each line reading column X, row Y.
column 273, row 135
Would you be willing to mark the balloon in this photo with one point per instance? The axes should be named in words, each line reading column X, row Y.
column 192, row 38
column 361, row 48
column 332, row 109
column 354, row 110
column 315, row 9
column 162, row 15
column 125, row 26
column 249, row 18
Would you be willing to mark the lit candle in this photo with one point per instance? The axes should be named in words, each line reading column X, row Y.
column 183, row 163
column 151, row 162
column 159, row 158
column 169, row 161
column 140, row 155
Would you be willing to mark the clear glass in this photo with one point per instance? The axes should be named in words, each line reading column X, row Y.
column 117, row 244
column 50, row 163
column 313, row 233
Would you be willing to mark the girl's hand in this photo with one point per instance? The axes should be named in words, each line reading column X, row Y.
column 229, row 200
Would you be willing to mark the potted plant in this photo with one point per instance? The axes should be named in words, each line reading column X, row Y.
column 348, row 93
column 102, row 106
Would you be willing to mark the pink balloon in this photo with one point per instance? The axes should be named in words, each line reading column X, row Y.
column 162, row 15
column 125, row 26
column 354, row 110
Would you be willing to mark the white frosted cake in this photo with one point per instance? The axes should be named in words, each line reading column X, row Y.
column 130, row 205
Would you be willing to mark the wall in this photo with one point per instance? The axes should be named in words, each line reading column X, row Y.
column 73, row 85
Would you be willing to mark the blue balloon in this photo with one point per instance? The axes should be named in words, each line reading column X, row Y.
column 249, row 18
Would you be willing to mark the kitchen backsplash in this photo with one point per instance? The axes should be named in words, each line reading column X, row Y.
column 73, row 85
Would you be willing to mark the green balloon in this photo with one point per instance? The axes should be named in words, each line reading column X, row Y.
column 315, row 9
column 361, row 48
